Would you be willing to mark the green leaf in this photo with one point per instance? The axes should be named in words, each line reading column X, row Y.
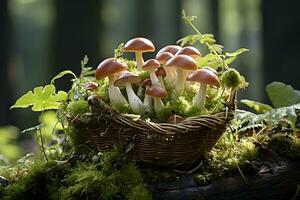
column 61, row 74
column 84, row 61
column 189, row 39
column 230, row 60
column 41, row 99
column 289, row 113
column 282, row 95
column 257, row 106
column 203, row 61
column 236, row 53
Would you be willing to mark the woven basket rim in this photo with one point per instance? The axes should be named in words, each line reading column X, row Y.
column 188, row 124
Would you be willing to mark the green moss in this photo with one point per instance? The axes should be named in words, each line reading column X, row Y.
column 87, row 182
column 286, row 145
column 103, row 90
column 80, row 140
column 231, row 78
column 36, row 184
column 78, row 107
column 139, row 192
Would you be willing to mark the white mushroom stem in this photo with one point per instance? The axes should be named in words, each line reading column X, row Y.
column 139, row 60
column 199, row 100
column 148, row 101
column 135, row 103
column 171, row 74
column 153, row 77
column 161, row 82
column 181, row 79
column 158, row 105
column 115, row 95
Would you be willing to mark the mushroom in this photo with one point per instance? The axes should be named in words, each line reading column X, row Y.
column 147, row 99
column 91, row 86
column 163, row 58
column 150, row 66
column 127, row 78
column 189, row 51
column 139, row 45
column 160, row 73
column 184, row 64
column 204, row 77
column 108, row 68
column 170, row 48
column 157, row 93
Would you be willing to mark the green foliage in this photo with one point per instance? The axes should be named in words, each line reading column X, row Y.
column 216, row 57
column 257, row 106
column 119, row 51
column 61, row 74
column 9, row 150
column 282, row 95
column 230, row 153
column 36, row 179
column 78, row 107
column 35, row 184
column 231, row 78
column 285, row 145
column 42, row 98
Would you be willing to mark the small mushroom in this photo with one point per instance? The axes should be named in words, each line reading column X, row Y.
column 160, row 73
column 204, row 77
column 147, row 99
column 170, row 48
column 157, row 93
column 163, row 58
column 139, row 46
column 127, row 78
column 189, row 51
column 151, row 65
column 184, row 64
column 108, row 68
column 91, row 86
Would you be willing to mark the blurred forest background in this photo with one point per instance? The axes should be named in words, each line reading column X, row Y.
column 39, row 38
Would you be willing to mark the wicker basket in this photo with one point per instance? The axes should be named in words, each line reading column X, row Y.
column 178, row 146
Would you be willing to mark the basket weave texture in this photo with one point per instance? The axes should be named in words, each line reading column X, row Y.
column 177, row 146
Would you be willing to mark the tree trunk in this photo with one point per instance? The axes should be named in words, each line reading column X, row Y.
column 77, row 33
column 5, row 41
column 281, row 41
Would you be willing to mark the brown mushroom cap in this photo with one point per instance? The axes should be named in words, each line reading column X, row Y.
column 156, row 92
column 151, row 64
column 110, row 66
column 91, row 86
column 139, row 44
column 189, row 51
column 163, row 57
column 211, row 69
column 160, row 72
column 182, row 61
column 125, row 77
column 204, row 76
column 146, row 82
column 170, row 48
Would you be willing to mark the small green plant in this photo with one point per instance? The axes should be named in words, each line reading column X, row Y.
column 41, row 99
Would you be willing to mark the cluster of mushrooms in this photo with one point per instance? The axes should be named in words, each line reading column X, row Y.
column 173, row 64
